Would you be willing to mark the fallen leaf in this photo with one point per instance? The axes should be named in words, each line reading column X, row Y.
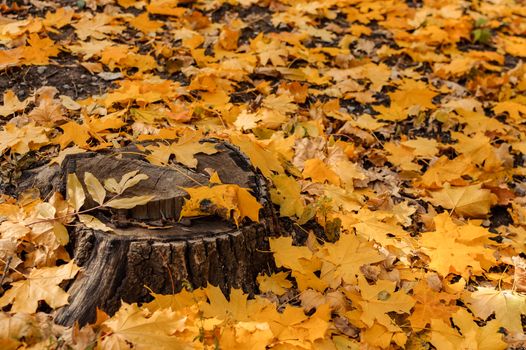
column 94, row 187
column 12, row 104
column 470, row 201
column 145, row 329
column 287, row 195
column 228, row 201
column 75, row 192
column 455, row 249
column 276, row 283
column 41, row 284
column 507, row 306
column 94, row 223
column 130, row 202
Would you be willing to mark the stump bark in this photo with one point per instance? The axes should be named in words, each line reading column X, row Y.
column 149, row 248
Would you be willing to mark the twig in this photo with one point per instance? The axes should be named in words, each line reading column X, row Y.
column 6, row 268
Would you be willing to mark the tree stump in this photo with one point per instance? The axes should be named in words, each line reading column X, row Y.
column 150, row 248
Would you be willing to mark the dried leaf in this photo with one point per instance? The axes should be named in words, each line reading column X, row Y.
column 228, row 201
column 75, row 192
column 41, row 284
column 95, row 189
column 94, row 223
column 130, row 202
column 471, row 201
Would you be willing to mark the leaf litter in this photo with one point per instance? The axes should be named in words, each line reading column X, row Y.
column 391, row 132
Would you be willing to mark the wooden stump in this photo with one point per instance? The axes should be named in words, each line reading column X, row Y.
column 120, row 265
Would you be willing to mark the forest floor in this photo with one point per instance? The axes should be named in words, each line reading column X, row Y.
column 391, row 133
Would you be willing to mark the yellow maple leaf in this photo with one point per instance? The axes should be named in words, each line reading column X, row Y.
column 188, row 146
column 372, row 227
column 39, row 50
column 246, row 335
column 282, row 103
column 507, row 306
column 144, row 329
column 342, row 260
column 411, row 93
column 402, row 156
column 293, row 328
column 22, row 140
column 394, row 112
column 228, row 201
column 96, row 27
column 448, row 170
column 287, row 195
column 476, row 121
column 236, row 307
column 276, row 283
column 143, row 23
column 454, row 248
column 12, row 104
column 264, row 118
column 379, row 299
column 475, row 147
column 288, row 255
column 184, row 150
column 470, row 201
column 60, row 18
column 380, row 336
column 471, row 336
column 260, row 157
column 41, row 284
column 73, row 132
column 515, row 109
column 79, row 134
column 318, row 171
column 514, row 45
column 165, row 7
column 430, row 304
column 344, row 199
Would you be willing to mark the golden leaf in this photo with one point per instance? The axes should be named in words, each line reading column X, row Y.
column 471, row 201
column 287, row 195
column 228, row 201
column 130, row 202
column 144, row 329
column 454, row 249
column 95, row 188
column 75, row 192
column 94, row 223
column 12, row 104
column 260, row 157
column 276, row 283
column 318, row 171
column 506, row 304
column 41, row 284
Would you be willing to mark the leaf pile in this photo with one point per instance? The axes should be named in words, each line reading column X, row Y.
column 392, row 133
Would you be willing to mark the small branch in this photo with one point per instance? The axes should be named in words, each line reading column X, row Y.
column 103, row 205
column 6, row 268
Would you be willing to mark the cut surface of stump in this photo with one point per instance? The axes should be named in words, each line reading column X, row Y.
column 149, row 248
